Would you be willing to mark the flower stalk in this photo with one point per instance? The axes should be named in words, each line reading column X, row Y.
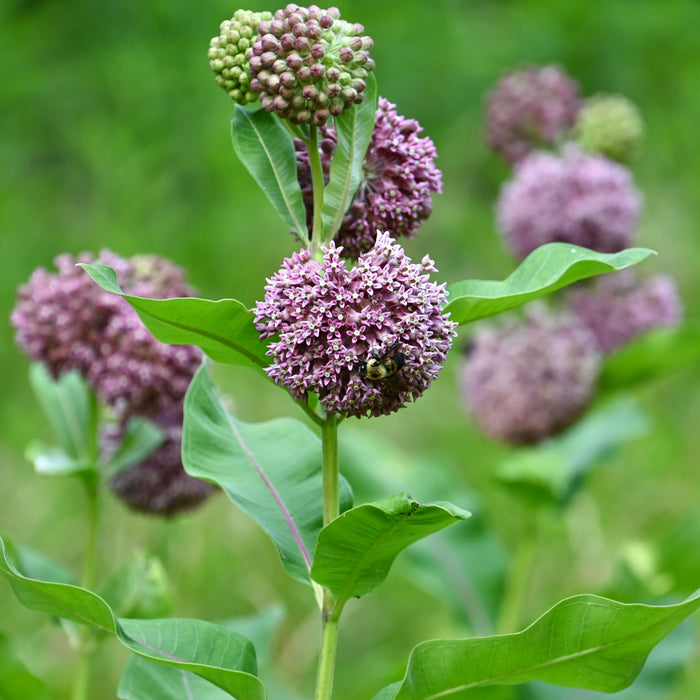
column 329, row 621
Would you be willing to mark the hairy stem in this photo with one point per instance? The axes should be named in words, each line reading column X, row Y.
column 329, row 639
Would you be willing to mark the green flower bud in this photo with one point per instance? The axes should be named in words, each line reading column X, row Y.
column 610, row 125
column 229, row 52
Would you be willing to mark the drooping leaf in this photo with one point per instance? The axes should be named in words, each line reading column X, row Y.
column 224, row 329
column 585, row 641
column 140, row 437
column 271, row 471
column 71, row 409
column 546, row 269
column 266, row 149
column 355, row 552
column 651, row 355
column 354, row 129
column 16, row 681
column 215, row 653
column 665, row 664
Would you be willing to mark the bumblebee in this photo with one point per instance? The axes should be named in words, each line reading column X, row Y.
column 380, row 367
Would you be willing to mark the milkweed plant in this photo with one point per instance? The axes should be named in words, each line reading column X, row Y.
column 351, row 328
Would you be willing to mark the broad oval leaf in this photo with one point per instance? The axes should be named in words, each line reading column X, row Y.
column 585, row 641
column 145, row 680
column 215, row 653
column 266, row 149
column 224, row 329
column 355, row 552
column 546, row 269
column 271, row 471
column 353, row 129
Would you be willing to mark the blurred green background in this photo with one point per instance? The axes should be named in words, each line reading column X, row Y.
column 114, row 135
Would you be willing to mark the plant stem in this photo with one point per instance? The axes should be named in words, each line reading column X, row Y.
column 329, row 435
column 517, row 581
column 329, row 639
column 87, row 580
column 317, row 184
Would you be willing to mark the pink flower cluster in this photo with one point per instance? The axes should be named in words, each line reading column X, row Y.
column 329, row 322
column 399, row 179
column 530, row 108
column 67, row 322
column 525, row 381
column 576, row 198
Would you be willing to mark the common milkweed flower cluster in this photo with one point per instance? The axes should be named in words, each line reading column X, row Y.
column 527, row 380
column 575, row 197
column 399, row 177
column 327, row 319
column 64, row 321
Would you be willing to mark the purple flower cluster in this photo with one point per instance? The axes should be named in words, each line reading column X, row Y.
column 67, row 322
column 399, row 178
column 331, row 323
column 530, row 108
column 526, row 381
column 307, row 64
column 618, row 308
column 576, row 198
column 158, row 485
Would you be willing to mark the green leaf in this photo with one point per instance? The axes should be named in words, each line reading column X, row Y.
column 224, row 329
column 271, row 471
column 71, row 409
column 140, row 438
column 145, row 680
column 354, row 129
column 266, row 149
column 140, row 588
column 355, row 552
column 585, row 641
column 53, row 461
column 216, row 654
column 651, row 355
column 546, row 269
column 16, row 682
column 555, row 468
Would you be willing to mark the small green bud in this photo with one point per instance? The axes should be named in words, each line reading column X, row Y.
column 611, row 125
column 229, row 52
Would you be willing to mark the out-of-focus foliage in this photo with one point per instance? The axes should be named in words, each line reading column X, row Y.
column 114, row 135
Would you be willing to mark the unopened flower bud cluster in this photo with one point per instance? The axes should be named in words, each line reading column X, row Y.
column 305, row 64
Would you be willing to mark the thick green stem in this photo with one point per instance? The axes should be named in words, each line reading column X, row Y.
column 330, row 468
column 329, row 639
column 87, row 580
